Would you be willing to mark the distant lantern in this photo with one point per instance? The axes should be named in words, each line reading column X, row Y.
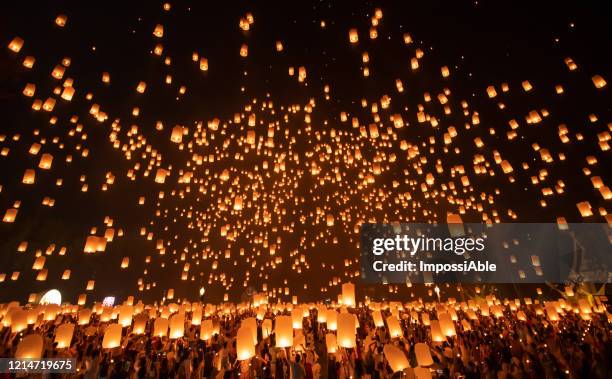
column 29, row 176
column 29, row 90
column 10, row 215
column 284, row 331
column 396, row 358
column 244, row 50
column 60, row 20
column 598, row 81
column 203, row 64
column 16, row 44
column 112, row 336
column 30, row 347
column 141, row 87
column 158, row 31
column 353, row 36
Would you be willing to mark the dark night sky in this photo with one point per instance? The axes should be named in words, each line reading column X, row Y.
column 483, row 43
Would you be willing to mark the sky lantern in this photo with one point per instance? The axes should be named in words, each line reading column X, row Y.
column 283, row 331
column 30, row 347
column 206, row 330
column 19, row 320
column 251, row 323
column 332, row 319
column 15, row 45
column 160, row 327
column 346, row 330
column 436, row 332
column 393, row 326
column 140, row 323
column 177, row 326
column 125, row 315
column 63, row 335
column 112, row 336
column 446, row 324
column 598, row 81
column 423, row 355
column 348, row 294
column 245, row 348
column 158, row 31
column 84, row 316
column 330, row 343
column 396, row 358
column 353, row 36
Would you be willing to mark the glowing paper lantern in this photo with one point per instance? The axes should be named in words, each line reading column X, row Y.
column 245, row 348
column 330, row 342
column 436, row 332
column 396, row 358
column 206, row 330
column 284, row 331
column 297, row 317
column 177, row 325
column 196, row 315
column 251, row 323
column 160, row 327
column 140, row 323
column 112, row 336
column 63, row 335
column 394, row 327
column 348, row 294
column 30, row 346
column 378, row 319
column 423, row 355
column 346, row 330
column 125, row 315
column 332, row 319
column 446, row 325
column 18, row 320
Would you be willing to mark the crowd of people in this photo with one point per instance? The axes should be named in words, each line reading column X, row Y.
column 491, row 347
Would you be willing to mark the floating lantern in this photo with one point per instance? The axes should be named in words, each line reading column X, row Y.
column 284, row 331
column 393, row 327
column 330, row 343
column 63, row 335
column 245, row 348
column 423, row 355
column 112, row 336
column 396, row 358
column 30, row 347
column 346, row 330
column 160, row 327
column 177, row 325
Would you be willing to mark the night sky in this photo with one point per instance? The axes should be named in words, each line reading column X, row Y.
column 297, row 126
